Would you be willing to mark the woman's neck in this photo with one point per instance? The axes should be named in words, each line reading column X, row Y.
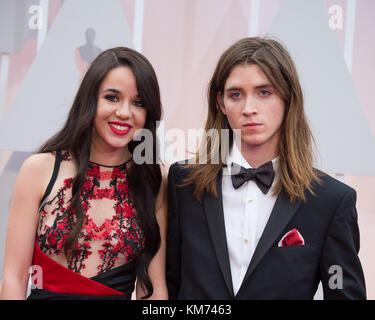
column 109, row 157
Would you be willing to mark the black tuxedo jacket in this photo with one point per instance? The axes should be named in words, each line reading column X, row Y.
column 198, row 264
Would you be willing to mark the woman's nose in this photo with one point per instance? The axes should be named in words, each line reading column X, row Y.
column 124, row 110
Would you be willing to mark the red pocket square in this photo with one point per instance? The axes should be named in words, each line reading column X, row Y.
column 292, row 238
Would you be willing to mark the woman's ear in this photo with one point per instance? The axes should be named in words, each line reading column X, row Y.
column 220, row 102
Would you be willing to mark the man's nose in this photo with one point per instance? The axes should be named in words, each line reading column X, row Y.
column 250, row 106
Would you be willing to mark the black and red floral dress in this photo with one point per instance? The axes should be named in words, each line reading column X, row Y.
column 102, row 261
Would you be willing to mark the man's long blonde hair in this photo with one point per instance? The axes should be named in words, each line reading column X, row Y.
column 295, row 144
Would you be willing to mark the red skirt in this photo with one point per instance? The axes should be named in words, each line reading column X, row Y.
column 54, row 281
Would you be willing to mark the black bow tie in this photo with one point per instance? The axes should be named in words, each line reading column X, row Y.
column 263, row 176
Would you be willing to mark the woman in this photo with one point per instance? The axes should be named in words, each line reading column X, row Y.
column 84, row 213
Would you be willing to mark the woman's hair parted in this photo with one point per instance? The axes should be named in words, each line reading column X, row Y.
column 76, row 136
column 295, row 145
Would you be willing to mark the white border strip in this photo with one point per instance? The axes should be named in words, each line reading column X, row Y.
column 349, row 32
column 138, row 24
column 254, row 18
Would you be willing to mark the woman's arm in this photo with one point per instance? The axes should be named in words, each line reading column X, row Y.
column 22, row 223
column 156, row 269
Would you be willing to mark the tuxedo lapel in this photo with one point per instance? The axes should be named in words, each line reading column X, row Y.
column 213, row 207
column 281, row 214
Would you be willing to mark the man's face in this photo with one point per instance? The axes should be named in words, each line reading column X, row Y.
column 253, row 106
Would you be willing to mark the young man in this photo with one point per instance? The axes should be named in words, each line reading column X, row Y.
column 274, row 232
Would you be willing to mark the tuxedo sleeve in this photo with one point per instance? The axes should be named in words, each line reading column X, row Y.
column 173, row 258
column 340, row 268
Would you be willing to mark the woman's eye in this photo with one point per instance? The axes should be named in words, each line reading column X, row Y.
column 138, row 103
column 112, row 98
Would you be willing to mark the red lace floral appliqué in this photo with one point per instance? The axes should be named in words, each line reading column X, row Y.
column 119, row 234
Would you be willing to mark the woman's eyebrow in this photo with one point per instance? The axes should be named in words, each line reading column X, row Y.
column 112, row 90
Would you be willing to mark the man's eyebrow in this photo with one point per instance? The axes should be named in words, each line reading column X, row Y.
column 260, row 86
column 112, row 90
column 266, row 85
column 233, row 89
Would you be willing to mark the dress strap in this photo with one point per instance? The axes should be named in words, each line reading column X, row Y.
column 54, row 175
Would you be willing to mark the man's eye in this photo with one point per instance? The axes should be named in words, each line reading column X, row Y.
column 235, row 95
column 264, row 93
column 112, row 98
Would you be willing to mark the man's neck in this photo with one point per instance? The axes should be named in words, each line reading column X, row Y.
column 257, row 156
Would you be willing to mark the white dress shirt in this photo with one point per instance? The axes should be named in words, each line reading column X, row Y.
column 246, row 212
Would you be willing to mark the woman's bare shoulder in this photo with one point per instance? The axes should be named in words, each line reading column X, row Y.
column 36, row 171
column 39, row 162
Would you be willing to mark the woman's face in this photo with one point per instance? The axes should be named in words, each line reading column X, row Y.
column 120, row 111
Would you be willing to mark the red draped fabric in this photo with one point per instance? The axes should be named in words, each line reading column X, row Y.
column 58, row 278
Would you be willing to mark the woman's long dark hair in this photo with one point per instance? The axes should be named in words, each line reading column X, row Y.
column 76, row 135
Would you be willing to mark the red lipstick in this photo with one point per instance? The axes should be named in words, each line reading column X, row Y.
column 120, row 128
